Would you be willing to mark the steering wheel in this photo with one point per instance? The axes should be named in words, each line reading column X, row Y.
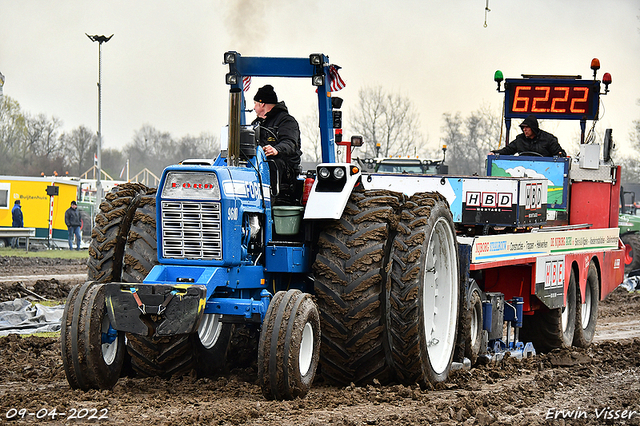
column 531, row 154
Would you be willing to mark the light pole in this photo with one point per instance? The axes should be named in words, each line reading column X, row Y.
column 100, row 39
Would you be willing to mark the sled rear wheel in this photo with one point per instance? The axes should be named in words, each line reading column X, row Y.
column 553, row 328
column 587, row 312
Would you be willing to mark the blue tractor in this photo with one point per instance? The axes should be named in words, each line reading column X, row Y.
column 207, row 269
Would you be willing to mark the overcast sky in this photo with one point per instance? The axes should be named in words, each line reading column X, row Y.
column 163, row 66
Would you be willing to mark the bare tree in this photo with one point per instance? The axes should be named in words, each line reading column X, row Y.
column 453, row 138
column 203, row 146
column 470, row 140
column 389, row 120
column 114, row 163
column 629, row 162
column 150, row 148
column 42, row 135
column 310, row 135
column 79, row 146
column 12, row 132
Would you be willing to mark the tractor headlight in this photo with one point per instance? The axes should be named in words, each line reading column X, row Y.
column 231, row 79
column 324, row 173
column 333, row 178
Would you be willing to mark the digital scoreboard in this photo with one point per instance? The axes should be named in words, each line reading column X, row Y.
column 552, row 98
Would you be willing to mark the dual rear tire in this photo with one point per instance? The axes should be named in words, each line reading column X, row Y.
column 424, row 296
column 387, row 284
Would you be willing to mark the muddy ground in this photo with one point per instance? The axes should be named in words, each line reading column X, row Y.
column 599, row 385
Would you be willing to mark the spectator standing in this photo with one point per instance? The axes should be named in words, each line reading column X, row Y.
column 74, row 224
column 17, row 221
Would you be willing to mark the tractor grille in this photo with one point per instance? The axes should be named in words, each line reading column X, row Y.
column 191, row 230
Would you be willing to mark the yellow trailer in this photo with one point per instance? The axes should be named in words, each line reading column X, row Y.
column 37, row 205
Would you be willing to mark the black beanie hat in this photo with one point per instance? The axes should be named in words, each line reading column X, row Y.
column 266, row 95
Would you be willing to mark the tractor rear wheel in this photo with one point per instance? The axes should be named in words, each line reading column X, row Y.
column 425, row 296
column 350, row 274
column 553, row 328
column 587, row 312
column 110, row 233
column 289, row 347
column 212, row 343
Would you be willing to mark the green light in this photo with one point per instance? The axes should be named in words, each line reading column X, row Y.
column 498, row 77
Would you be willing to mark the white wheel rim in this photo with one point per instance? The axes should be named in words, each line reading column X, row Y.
column 440, row 296
column 565, row 317
column 475, row 322
column 305, row 357
column 109, row 350
column 209, row 330
column 586, row 307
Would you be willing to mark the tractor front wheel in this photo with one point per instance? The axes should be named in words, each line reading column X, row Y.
column 289, row 347
column 93, row 352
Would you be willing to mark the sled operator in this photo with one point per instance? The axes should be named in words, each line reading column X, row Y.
column 534, row 140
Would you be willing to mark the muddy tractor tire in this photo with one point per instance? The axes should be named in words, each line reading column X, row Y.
column 632, row 252
column 93, row 353
column 425, row 293
column 111, row 231
column 350, row 274
column 587, row 310
column 552, row 328
column 289, row 348
column 65, row 339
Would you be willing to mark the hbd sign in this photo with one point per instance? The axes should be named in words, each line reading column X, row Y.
column 489, row 199
column 533, row 193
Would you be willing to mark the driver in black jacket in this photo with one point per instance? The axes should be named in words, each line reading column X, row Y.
column 279, row 138
column 532, row 139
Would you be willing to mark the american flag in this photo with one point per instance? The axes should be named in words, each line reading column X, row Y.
column 337, row 83
column 246, row 83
